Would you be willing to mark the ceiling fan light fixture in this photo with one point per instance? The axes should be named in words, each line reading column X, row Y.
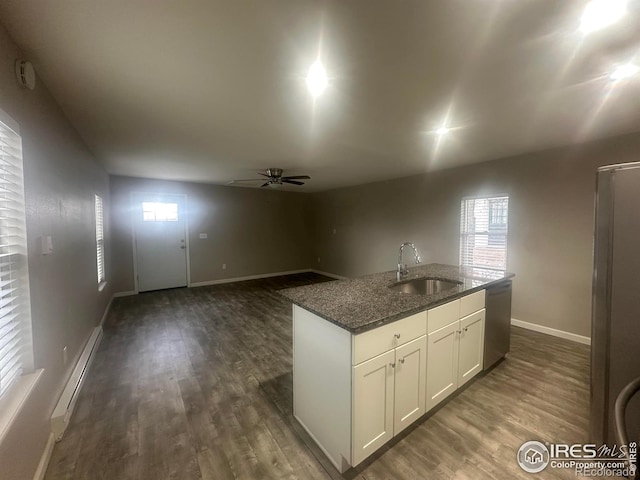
column 274, row 179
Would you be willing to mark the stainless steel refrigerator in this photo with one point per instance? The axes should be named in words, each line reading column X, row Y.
column 615, row 336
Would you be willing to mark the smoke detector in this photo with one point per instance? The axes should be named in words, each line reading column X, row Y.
column 25, row 74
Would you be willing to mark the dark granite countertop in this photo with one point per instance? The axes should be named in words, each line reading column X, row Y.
column 363, row 303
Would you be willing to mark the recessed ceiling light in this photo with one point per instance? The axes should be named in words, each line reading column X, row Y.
column 602, row 13
column 624, row 71
column 443, row 130
column 317, row 79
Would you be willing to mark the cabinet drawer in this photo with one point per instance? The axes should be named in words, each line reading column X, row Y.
column 471, row 303
column 443, row 315
column 379, row 340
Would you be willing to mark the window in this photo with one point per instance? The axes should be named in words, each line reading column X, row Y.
column 15, row 315
column 159, row 212
column 483, row 232
column 100, row 239
column 498, row 210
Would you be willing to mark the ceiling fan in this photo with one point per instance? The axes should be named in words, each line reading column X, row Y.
column 274, row 177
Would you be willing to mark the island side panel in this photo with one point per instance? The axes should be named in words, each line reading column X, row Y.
column 322, row 384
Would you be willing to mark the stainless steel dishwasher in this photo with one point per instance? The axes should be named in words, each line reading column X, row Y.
column 497, row 327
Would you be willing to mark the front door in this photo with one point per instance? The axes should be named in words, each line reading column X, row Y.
column 160, row 241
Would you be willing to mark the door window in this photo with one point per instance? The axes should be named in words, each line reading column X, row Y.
column 159, row 212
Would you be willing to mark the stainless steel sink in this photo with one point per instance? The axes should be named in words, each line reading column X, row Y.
column 424, row 286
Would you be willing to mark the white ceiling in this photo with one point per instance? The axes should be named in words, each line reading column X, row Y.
column 214, row 90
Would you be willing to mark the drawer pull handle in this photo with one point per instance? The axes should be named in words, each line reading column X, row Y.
column 397, row 335
column 402, row 360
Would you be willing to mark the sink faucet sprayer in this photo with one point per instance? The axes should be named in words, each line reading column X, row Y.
column 402, row 268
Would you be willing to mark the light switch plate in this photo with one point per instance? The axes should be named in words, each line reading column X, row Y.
column 204, row 235
column 47, row 244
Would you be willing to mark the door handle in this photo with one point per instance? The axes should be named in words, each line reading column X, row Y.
column 182, row 247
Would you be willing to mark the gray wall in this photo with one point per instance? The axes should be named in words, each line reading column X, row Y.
column 550, row 224
column 253, row 231
column 61, row 177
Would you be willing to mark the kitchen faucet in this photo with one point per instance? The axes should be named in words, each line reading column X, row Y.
column 402, row 268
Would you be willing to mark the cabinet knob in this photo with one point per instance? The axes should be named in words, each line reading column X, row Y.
column 458, row 332
column 466, row 328
column 397, row 335
column 402, row 360
column 392, row 365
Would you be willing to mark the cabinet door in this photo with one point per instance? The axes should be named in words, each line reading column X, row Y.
column 409, row 401
column 442, row 363
column 373, row 384
column 471, row 347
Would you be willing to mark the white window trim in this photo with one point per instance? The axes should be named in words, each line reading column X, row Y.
column 18, row 392
column 12, row 402
column 100, row 244
column 506, row 234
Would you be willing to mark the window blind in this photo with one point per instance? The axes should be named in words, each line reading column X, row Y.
column 483, row 232
column 100, row 239
column 14, row 280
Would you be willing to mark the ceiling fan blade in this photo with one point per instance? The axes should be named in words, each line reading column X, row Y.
column 286, row 180
column 297, row 177
column 245, row 180
column 266, row 184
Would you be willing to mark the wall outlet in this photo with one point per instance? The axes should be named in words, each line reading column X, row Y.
column 204, row 235
column 65, row 355
column 224, row 266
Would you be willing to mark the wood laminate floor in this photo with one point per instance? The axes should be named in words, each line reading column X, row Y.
column 196, row 383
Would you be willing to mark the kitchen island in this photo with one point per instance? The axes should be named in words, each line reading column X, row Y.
column 369, row 360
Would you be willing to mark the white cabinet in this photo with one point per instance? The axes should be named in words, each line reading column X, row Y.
column 388, row 396
column 471, row 346
column 353, row 393
column 442, row 364
column 455, row 350
column 410, row 380
column 382, row 339
column 373, row 390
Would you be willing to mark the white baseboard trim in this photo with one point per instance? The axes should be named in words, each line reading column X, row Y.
column 574, row 337
column 44, row 459
column 67, row 401
column 106, row 311
column 327, row 274
column 125, row 294
column 249, row 277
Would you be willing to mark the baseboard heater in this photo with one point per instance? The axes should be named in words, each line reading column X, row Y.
column 64, row 408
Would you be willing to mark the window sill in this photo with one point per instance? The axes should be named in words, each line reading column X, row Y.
column 14, row 399
column 101, row 285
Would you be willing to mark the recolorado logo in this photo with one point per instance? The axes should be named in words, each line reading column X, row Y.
column 587, row 460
